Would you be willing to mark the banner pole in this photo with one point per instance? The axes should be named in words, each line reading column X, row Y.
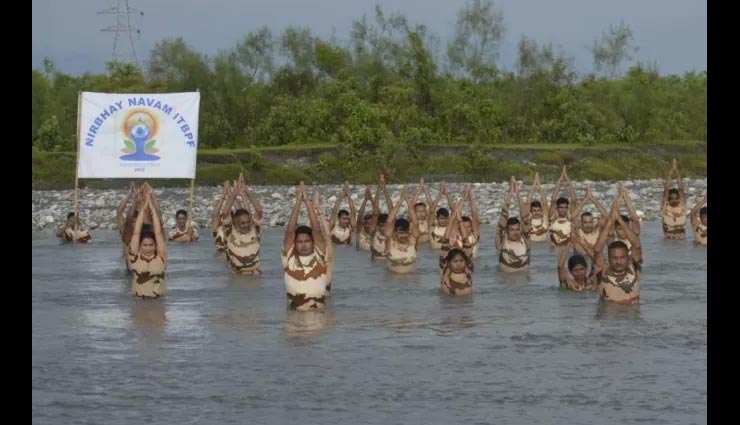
column 191, row 211
column 77, row 161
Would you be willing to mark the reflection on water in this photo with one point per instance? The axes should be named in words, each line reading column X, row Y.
column 513, row 278
column 310, row 323
column 149, row 316
column 244, row 282
column 241, row 321
column 454, row 324
column 611, row 311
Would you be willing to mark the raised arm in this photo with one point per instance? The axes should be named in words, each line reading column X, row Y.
column 361, row 214
column 575, row 216
column 390, row 224
column 120, row 219
column 679, row 182
column 551, row 213
column 352, row 212
column 530, row 194
column 604, row 214
column 226, row 212
column 634, row 240
column 543, row 195
column 573, row 204
column 376, row 210
column 503, row 218
column 154, row 206
column 255, row 203
column 325, row 231
column 474, row 212
column 216, row 212
column 604, row 235
column 454, row 226
column 426, row 192
column 289, row 237
column 415, row 199
column 411, row 213
column 433, row 206
column 634, row 218
column 447, row 196
column 666, row 188
column 695, row 212
column 562, row 261
column 585, row 246
column 526, row 225
column 337, row 203
column 384, row 188
column 133, row 246
column 320, row 243
column 157, row 225
column 318, row 206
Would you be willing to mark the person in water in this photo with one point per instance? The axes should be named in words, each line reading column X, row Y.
column 307, row 257
column 147, row 252
column 699, row 222
column 510, row 242
column 342, row 222
column 183, row 231
column 632, row 221
column 619, row 279
column 561, row 212
column 586, row 226
column 441, row 218
column 216, row 214
column 673, row 206
column 378, row 247
column 471, row 242
column 534, row 217
column 457, row 273
column 241, row 233
column 364, row 223
column 575, row 276
column 402, row 237
column 71, row 232
column 421, row 212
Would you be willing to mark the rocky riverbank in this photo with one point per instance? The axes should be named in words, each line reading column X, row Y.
column 98, row 207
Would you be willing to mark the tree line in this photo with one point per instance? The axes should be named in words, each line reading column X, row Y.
column 394, row 86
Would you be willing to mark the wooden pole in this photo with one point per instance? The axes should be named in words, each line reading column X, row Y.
column 77, row 160
column 191, row 211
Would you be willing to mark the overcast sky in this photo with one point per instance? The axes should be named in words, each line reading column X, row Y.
column 670, row 33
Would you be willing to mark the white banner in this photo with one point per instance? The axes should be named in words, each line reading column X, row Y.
column 138, row 135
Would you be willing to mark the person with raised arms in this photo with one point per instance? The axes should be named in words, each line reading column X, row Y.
column 561, row 212
column 471, row 242
column 699, row 222
column 619, row 280
column 421, row 212
column 441, row 218
column 514, row 254
column 534, row 217
column 364, row 223
column 673, row 206
column 402, row 236
column 342, row 222
column 241, row 233
column 147, row 252
column 307, row 257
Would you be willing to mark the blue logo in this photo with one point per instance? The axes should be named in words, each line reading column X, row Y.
column 139, row 129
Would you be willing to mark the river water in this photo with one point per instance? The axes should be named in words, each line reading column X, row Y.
column 389, row 349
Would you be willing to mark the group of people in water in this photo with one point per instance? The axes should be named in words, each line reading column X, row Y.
column 611, row 244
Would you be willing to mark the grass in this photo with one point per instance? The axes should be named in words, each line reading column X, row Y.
column 320, row 163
